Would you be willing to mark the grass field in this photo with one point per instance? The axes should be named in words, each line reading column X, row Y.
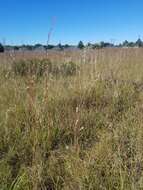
column 72, row 120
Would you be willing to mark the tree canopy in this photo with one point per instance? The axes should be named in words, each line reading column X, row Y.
column 1, row 48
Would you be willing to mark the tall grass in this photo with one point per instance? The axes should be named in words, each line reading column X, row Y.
column 73, row 126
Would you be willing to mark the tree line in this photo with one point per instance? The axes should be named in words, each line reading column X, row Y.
column 80, row 45
column 102, row 44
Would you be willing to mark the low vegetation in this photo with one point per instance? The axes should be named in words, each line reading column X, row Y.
column 75, row 124
column 39, row 68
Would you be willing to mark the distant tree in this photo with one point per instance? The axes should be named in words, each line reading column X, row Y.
column 125, row 43
column 107, row 44
column 60, row 46
column 29, row 47
column 37, row 46
column 96, row 46
column 16, row 48
column 80, row 45
column 139, row 43
column 131, row 44
column 66, row 46
column 89, row 45
column 102, row 44
column 1, row 48
column 49, row 47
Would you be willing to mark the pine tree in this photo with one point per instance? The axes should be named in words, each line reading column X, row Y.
column 80, row 45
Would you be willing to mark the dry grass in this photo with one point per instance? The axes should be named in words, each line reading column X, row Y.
column 80, row 131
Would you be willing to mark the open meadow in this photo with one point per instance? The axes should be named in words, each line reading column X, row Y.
column 71, row 120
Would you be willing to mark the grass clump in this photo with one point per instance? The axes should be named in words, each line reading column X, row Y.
column 39, row 67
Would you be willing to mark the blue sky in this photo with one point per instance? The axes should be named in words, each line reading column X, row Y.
column 29, row 21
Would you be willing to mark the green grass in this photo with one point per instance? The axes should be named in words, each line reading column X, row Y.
column 81, row 130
